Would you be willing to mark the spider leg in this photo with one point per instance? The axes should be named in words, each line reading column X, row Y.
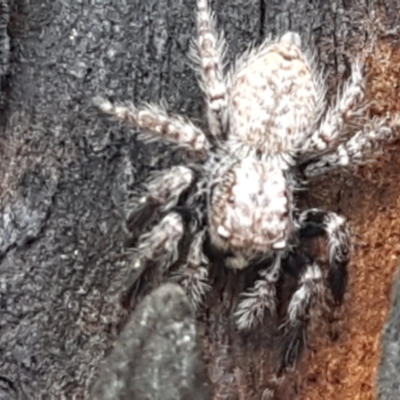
column 162, row 191
column 158, row 247
column 158, row 125
column 357, row 150
column 194, row 278
column 330, row 129
column 209, row 55
column 299, row 312
column 259, row 300
column 315, row 222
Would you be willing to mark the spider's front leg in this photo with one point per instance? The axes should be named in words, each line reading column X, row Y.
column 301, row 307
column 162, row 191
column 357, row 149
column 315, row 222
column 158, row 247
column 194, row 276
column 209, row 56
column 260, row 300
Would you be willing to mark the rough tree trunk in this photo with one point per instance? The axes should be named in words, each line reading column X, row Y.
column 64, row 169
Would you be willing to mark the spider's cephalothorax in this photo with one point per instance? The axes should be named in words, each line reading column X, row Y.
column 250, row 210
column 267, row 117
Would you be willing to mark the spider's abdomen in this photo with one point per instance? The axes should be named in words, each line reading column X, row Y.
column 250, row 209
column 272, row 100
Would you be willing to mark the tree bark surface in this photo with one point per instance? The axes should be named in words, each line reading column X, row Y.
column 64, row 168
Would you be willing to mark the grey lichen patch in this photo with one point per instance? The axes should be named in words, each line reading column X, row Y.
column 157, row 355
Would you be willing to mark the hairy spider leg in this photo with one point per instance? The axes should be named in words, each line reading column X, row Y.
column 293, row 332
column 209, row 53
column 161, row 193
column 260, row 300
column 195, row 273
column 330, row 130
column 316, row 222
column 158, row 125
column 358, row 149
column 159, row 246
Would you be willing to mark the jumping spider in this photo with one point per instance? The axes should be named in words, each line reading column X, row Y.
column 268, row 120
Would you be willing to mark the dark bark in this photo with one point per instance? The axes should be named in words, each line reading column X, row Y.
column 388, row 386
column 64, row 168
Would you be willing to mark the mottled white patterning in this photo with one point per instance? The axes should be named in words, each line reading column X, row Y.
column 273, row 99
column 251, row 209
column 267, row 118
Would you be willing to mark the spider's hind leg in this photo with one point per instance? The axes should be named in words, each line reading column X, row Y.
column 316, row 222
column 330, row 129
column 358, row 149
column 158, row 125
column 209, row 56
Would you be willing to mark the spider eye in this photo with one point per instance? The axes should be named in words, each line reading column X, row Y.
column 279, row 245
column 223, row 232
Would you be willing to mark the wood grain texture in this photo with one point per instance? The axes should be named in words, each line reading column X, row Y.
column 63, row 167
